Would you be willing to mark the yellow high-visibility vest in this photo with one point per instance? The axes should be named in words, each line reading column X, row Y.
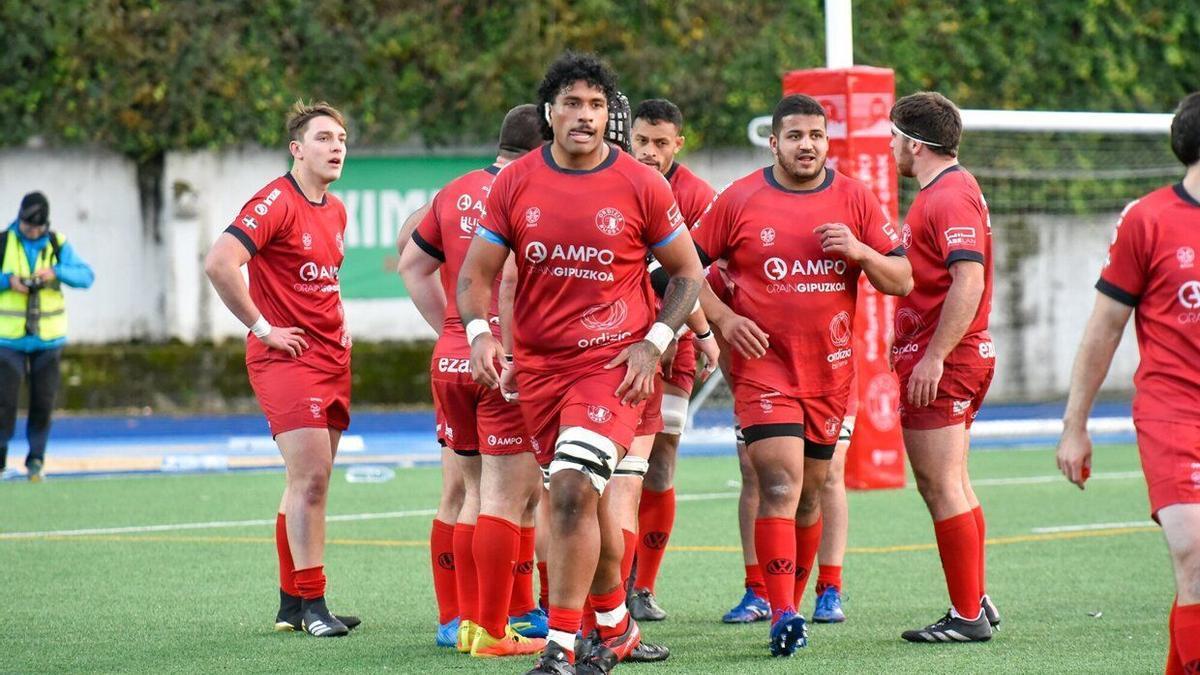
column 13, row 305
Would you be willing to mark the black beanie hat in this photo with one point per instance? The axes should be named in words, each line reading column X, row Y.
column 35, row 209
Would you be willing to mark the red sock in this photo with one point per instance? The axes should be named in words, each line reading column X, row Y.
column 310, row 582
column 755, row 581
column 465, row 580
column 564, row 624
column 958, row 545
column 587, row 621
column 775, row 545
column 631, row 549
column 495, row 546
column 611, row 616
column 656, row 517
column 1174, row 665
column 286, row 567
column 543, row 584
column 1186, row 636
column 981, row 527
column 808, row 540
column 441, row 554
column 522, row 592
column 828, row 575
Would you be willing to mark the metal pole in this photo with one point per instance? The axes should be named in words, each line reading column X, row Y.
column 839, row 34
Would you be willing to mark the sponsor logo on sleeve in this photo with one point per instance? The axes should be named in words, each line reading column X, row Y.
column 960, row 235
column 674, row 216
column 250, row 222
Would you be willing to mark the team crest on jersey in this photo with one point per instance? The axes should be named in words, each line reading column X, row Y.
column 839, row 329
column 832, row 426
column 532, row 214
column 314, row 407
column 610, row 221
column 767, row 235
column 1186, row 256
column 906, row 236
column 599, row 414
column 767, row 406
column 606, row 316
column 306, row 239
column 337, row 238
column 908, row 323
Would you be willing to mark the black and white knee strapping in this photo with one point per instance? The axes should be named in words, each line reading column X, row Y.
column 585, row 451
column 632, row 466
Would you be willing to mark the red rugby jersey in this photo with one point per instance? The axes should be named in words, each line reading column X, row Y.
column 445, row 233
column 692, row 193
column 803, row 298
column 296, row 254
column 580, row 238
column 947, row 222
column 1152, row 267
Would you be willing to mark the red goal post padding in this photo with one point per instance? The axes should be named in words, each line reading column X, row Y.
column 857, row 101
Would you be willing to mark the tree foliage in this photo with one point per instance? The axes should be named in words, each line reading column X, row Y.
column 148, row 76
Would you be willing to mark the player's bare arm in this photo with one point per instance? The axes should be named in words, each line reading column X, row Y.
column 508, row 295
column 890, row 274
column 410, row 225
column 484, row 261
column 420, row 273
column 678, row 257
column 223, row 265
column 962, row 300
column 1100, row 340
column 743, row 334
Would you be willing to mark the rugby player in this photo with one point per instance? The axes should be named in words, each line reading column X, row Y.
column 502, row 486
column 1152, row 272
column 580, row 216
column 796, row 235
column 290, row 234
column 943, row 353
column 657, row 137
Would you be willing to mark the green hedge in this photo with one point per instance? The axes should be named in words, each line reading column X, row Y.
column 145, row 76
column 176, row 377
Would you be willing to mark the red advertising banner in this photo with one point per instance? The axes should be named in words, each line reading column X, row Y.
column 857, row 101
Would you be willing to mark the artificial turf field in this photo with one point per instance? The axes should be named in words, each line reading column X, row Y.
column 204, row 599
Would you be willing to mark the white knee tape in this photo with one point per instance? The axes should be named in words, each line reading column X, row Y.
column 674, row 413
column 586, row 451
column 632, row 465
column 847, row 429
column 545, row 476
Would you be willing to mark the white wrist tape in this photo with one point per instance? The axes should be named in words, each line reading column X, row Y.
column 660, row 335
column 475, row 328
column 260, row 328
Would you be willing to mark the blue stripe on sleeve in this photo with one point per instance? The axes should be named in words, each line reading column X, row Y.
column 670, row 237
column 488, row 235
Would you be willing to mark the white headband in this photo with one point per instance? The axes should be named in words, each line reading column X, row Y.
column 913, row 138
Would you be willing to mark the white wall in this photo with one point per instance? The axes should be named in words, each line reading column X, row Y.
column 148, row 290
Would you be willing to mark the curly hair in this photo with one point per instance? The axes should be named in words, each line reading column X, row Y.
column 568, row 69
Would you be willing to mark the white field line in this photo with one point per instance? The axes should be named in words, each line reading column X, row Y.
column 698, row 497
column 1092, row 526
column 211, row 525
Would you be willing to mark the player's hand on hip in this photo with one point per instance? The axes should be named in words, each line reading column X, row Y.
column 641, row 363
column 711, row 352
column 746, row 337
column 923, row 383
column 486, row 351
column 289, row 339
column 1074, row 456
column 508, row 384
column 838, row 238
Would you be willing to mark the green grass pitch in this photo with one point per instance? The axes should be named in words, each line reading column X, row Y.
column 191, row 600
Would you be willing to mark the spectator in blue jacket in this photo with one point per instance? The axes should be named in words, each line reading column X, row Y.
column 35, row 263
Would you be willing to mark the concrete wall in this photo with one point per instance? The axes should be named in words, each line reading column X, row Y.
column 153, row 287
